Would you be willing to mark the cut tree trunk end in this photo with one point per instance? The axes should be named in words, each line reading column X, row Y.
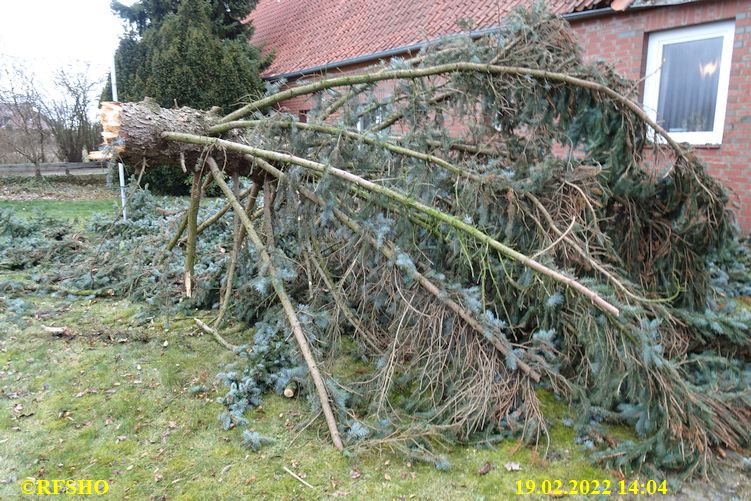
column 133, row 132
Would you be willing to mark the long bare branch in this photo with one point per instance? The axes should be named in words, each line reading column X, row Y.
column 458, row 67
column 407, row 201
column 284, row 299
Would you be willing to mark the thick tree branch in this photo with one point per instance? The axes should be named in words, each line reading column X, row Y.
column 432, row 212
column 191, row 221
column 388, row 250
column 458, row 67
column 289, row 309
column 236, row 248
column 367, row 139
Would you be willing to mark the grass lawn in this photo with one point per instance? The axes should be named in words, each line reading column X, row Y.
column 79, row 210
column 71, row 198
column 110, row 399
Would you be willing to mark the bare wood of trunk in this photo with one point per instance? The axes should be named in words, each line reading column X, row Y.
column 289, row 309
column 133, row 132
column 139, row 125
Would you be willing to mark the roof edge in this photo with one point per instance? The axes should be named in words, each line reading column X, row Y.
column 632, row 6
column 407, row 49
column 604, row 11
column 375, row 56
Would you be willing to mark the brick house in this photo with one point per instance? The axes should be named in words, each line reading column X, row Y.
column 701, row 93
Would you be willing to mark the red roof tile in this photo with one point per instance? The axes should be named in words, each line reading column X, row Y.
column 310, row 33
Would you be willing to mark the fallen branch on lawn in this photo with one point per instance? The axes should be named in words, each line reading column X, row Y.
column 219, row 339
column 431, row 212
column 286, row 303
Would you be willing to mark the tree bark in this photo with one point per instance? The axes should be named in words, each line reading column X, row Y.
column 133, row 131
column 192, row 223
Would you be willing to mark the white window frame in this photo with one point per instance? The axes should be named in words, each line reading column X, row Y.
column 378, row 119
column 657, row 40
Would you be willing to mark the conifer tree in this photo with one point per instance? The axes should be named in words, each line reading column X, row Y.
column 186, row 52
column 472, row 267
column 193, row 52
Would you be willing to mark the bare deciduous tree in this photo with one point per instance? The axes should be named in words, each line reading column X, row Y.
column 68, row 115
column 24, row 134
column 38, row 126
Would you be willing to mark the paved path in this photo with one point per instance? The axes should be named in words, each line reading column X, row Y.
column 54, row 169
column 53, row 172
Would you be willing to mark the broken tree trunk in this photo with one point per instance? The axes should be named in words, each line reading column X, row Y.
column 473, row 272
column 133, row 126
column 133, row 131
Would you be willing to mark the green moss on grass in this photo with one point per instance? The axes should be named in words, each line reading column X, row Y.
column 119, row 409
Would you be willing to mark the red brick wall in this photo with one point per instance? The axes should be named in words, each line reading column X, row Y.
column 622, row 40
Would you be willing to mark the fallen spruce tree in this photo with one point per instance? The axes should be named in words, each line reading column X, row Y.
column 533, row 246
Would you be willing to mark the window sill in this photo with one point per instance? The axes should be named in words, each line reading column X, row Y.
column 707, row 146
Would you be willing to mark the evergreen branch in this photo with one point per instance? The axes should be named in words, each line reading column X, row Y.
column 405, row 200
column 592, row 262
column 239, row 238
column 367, row 139
column 458, row 67
column 320, row 266
column 178, row 235
column 286, row 304
column 399, row 114
column 359, row 89
column 388, row 249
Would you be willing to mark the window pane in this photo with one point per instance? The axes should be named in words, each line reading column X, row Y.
column 369, row 119
column 688, row 85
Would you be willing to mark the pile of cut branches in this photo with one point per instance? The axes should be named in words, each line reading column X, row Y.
column 490, row 226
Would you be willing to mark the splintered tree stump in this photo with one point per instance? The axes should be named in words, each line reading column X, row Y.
column 133, row 133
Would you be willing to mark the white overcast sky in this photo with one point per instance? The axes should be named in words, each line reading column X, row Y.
column 47, row 34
